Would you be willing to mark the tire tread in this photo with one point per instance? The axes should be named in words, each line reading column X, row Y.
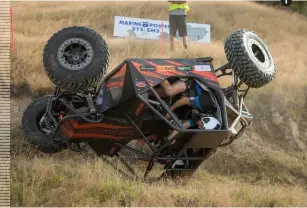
column 87, row 80
column 38, row 139
column 241, row 63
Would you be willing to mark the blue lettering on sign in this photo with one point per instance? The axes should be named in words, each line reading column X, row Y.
column 153, row 30
column 132, row 23
column 137, row 29
column 145, row 24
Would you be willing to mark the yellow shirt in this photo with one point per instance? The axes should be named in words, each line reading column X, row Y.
column 174, row 6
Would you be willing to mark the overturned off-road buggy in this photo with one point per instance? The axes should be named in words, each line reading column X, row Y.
column 108, row 112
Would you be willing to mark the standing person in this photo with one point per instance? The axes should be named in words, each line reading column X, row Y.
column 177, row 21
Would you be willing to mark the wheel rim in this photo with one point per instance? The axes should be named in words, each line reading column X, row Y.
column 75, row 54
column 259, row 53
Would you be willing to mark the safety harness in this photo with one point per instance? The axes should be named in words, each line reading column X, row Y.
column 192, row 92
column 205, row 100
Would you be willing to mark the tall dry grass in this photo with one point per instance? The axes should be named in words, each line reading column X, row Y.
column 88, row 182
column 267, row 167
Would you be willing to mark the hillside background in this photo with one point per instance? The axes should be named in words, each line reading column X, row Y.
column 299, row 7
column 267, row 167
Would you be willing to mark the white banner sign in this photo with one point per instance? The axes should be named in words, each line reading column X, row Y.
column 152, row 29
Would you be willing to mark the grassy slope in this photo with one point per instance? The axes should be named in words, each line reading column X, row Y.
column 266, row 167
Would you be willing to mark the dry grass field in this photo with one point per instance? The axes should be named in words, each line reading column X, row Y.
column 266, row 167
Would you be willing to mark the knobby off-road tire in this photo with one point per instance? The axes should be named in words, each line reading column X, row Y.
column 32, row 131
column 250, row 58
column 76, row 58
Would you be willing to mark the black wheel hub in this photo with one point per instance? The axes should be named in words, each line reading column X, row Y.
column 75, row 54
column 258, row 53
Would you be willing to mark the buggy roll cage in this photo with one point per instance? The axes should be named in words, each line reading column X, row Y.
column 240, row 115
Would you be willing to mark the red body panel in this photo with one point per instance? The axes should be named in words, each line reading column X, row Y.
column 74, row 129
column 117, row 79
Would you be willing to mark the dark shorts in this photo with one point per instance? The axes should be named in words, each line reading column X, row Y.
column 178, row 22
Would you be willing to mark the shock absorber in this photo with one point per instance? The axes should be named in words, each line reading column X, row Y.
column 90, row 103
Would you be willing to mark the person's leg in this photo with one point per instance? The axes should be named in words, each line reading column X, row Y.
column 168, row 89
column 175, row 88
column 172, row 30
column 182, row 27
column 184, row 42
column 181, row 102
column 172, row 40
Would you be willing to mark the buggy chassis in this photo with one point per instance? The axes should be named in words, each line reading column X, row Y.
column 241, row 115
column 108, row 111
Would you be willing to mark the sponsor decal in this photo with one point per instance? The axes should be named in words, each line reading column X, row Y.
column 184, row 68
column 147, row 68
column 166, row 68
column 202, row 68
column 140, row 84
column 139, row 109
